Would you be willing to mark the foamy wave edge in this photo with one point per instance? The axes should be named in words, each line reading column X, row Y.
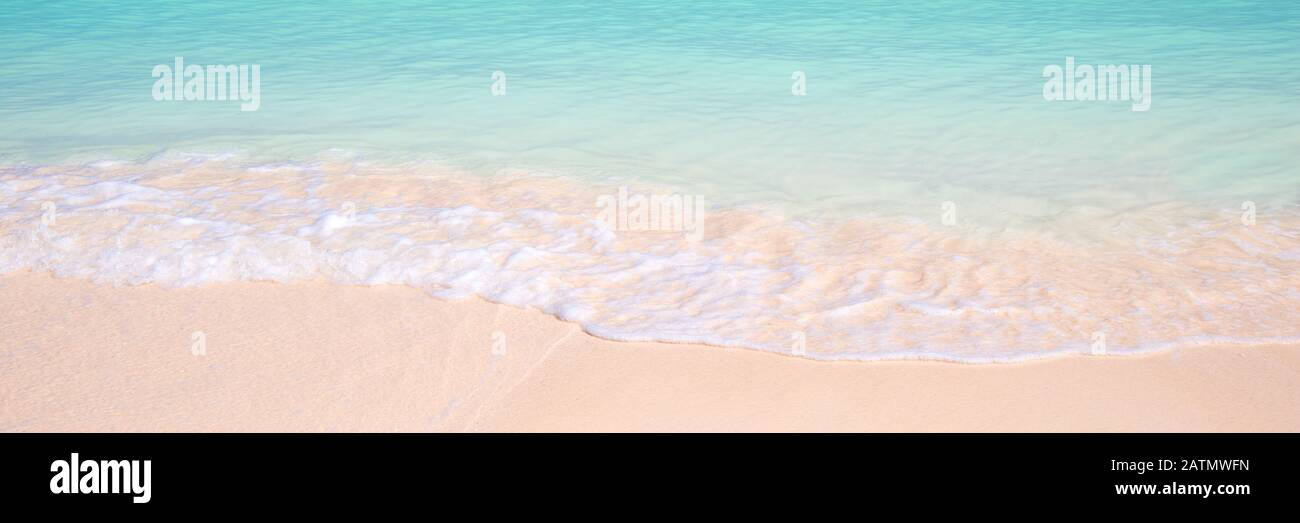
column 858, row 289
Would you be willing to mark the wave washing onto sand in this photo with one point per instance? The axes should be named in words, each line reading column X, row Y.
column 863, row 288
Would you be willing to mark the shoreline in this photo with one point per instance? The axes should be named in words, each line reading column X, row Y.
column 867, row 287
column 316, row 356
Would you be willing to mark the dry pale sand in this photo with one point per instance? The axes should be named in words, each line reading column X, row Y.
column 77, row 356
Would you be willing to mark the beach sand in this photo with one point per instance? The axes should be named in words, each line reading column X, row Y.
column 316, row 356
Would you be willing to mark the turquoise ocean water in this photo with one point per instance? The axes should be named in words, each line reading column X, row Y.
column 913, row 100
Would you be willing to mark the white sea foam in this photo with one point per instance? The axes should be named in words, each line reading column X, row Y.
column 859, row 288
